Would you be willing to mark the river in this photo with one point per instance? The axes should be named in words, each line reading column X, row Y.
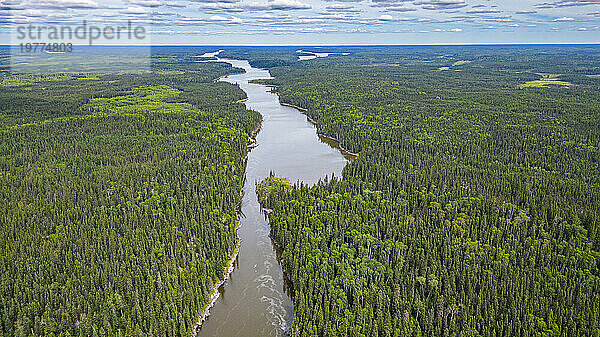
column 254, row 301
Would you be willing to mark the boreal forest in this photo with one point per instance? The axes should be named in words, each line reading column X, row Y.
column 118, row 197
column 473, row 208
column 470, row 205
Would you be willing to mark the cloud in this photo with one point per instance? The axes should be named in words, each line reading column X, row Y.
column 483, row 11
column 229, row 7
column 272, row 16
column 437, row 30
column 386, row 17
column 441, row 4
column 376, row 3
column 287, row 30
column 134, row 11
column 340, row 8
column 278, row 5
column 587, row 29
column 337, row 17
column 73, row 4
column 11, row 5
column 216, row 1
column 159, row 14
column 145, row 3
column 498, row 19
column 222, row 19
column 345, row 0
column 563, row 19
column 219, row 7
column 400, row 9
column 175, row 4
column 568, row 3
column 34, row 13
column 525, row 12
column 307, row 21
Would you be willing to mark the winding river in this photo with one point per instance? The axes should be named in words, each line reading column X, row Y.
column 254, row 300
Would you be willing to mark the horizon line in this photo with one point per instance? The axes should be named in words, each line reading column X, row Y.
column 337, row 45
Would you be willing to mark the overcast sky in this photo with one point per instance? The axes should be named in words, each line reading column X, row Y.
column 322, row 22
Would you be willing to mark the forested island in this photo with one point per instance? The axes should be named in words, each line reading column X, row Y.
column 472, row 207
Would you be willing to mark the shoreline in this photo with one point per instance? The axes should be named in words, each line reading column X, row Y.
column 252, row 142
column 295, row 107
column 338, row 145
column 214, row 294
column 341, row 148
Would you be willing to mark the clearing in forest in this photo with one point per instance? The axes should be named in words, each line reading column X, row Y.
column 546, row 81
column 460, row 63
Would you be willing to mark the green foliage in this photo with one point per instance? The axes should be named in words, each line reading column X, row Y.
column 473, row 208
column 545, row 81
column 118, row 200
column 270, row 186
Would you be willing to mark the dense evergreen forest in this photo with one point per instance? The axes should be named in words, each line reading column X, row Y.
column 118, row 196
column 473, row 208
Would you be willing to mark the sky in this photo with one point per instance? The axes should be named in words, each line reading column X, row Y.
column 317, row 22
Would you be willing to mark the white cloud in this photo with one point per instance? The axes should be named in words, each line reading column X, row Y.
column 73, row 4
column 386, row 17
column 441, row 4
column 36, row 13
column 567, row 3
column 342, row 8
column 453, row 30
column 134, row 11
column 221, row 7
column 11, row 5
column 231, row 7
column 563, row 19
column 175, row 4
column 278, row 5
column 219, row 18
column 146, row 3
column 483, row 11
column 314, row 20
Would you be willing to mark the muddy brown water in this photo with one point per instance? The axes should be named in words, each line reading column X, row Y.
column 255, row 300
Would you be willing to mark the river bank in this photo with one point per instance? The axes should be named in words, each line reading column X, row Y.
column 255, row 299
column 336, row 142
column 214, row 294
